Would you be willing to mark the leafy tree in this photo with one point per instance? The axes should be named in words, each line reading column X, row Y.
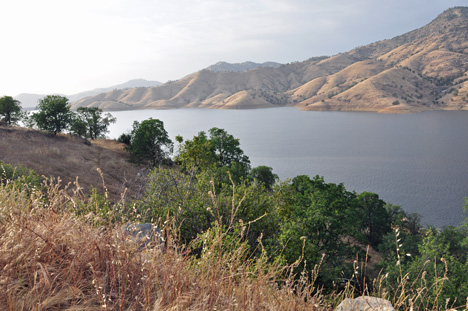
column 125, row 138
column 90, row 122
column 10, row 109
column 79, row 127
column 150, row 142
column 220, row 152
column 195, row 205
column 227, row 148
column 375, row 219
column 410, row 233
column 196, row 154
column 54, row 114
column 264, row 175
column 438, row 270
column 318, row 219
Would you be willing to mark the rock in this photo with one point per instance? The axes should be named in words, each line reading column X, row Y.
column 365, row 303
column 146, row 235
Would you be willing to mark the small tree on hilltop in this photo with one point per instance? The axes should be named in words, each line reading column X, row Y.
column 54, row 114
column 90, row 123
column 150, row 143
column 10, row 110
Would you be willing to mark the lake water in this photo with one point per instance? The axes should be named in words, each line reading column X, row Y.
column 418, row 161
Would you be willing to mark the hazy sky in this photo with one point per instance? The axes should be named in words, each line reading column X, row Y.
column 69, row 46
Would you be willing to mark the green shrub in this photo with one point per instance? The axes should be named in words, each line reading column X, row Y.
column 18, row 175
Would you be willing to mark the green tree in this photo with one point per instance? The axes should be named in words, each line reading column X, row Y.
column 10, row 109
column 91, row 123
column 227, row 148
column 220, row 152
column 54, row 114
column 125, row 138
column 375, row 219
column 196, row 154
column 150, row 143
column 265, row 175
column 79, row 127
column 318, row 219
column 410, row 233
column 438, row 270
column 194, row 205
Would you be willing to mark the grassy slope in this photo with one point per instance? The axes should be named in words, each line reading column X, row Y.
column 68, row 157
column 414, row 69
column 52, row 259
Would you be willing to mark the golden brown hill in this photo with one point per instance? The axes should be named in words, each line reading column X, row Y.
column 425, row 69
column 67, row 158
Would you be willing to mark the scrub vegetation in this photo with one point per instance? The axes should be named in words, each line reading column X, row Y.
column 236, row 238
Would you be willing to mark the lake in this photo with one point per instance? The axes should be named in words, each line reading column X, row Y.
column 418, row 161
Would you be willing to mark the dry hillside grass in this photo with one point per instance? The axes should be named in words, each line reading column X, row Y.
column 421, row 66
column 69, row 158
column 51, row 259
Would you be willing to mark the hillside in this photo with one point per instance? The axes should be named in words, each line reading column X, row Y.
column 425, row 69
column 29, row 101
column 69, row 158
column 240, row 67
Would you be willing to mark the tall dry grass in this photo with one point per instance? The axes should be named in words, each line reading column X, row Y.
column 67, row 158
column 52, row 259
column 63, row 250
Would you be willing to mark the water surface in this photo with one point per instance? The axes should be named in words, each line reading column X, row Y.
column 418, row 161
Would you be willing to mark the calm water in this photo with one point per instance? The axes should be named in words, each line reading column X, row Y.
column 418, row 161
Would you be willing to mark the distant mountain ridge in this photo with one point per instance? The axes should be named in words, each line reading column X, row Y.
column 240, row 67
column 31, row 100
column 425, row 69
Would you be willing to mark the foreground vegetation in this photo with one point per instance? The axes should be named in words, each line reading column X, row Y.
column 62, row 251
column 235, row 237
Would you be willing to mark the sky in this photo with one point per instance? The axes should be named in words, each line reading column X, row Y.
column 70, row 46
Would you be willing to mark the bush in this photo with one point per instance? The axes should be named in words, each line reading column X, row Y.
column 18, row 175
column 125, row 138
column 150, row 143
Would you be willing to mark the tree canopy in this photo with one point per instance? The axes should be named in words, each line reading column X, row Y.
column 264, row 174
column 150, row 142
column 219, row 151
column 54, row 114
column 90, row 122
column 10, row 110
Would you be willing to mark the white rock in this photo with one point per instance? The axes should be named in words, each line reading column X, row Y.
column 365, row 303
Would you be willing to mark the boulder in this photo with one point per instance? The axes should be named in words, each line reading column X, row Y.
column 365, row 303
column 145, row 235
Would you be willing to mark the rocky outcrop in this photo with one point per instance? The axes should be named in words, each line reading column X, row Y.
column 365, row 303
column 144, row 235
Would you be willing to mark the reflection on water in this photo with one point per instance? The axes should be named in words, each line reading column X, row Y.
column 418, row 161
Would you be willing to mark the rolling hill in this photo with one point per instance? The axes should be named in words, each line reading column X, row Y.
column 29, row 101
column 425, row 69
column 240, row 67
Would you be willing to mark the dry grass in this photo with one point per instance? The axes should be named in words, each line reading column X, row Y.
column 437, row 50
column 68, row 157
column 50, row 259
